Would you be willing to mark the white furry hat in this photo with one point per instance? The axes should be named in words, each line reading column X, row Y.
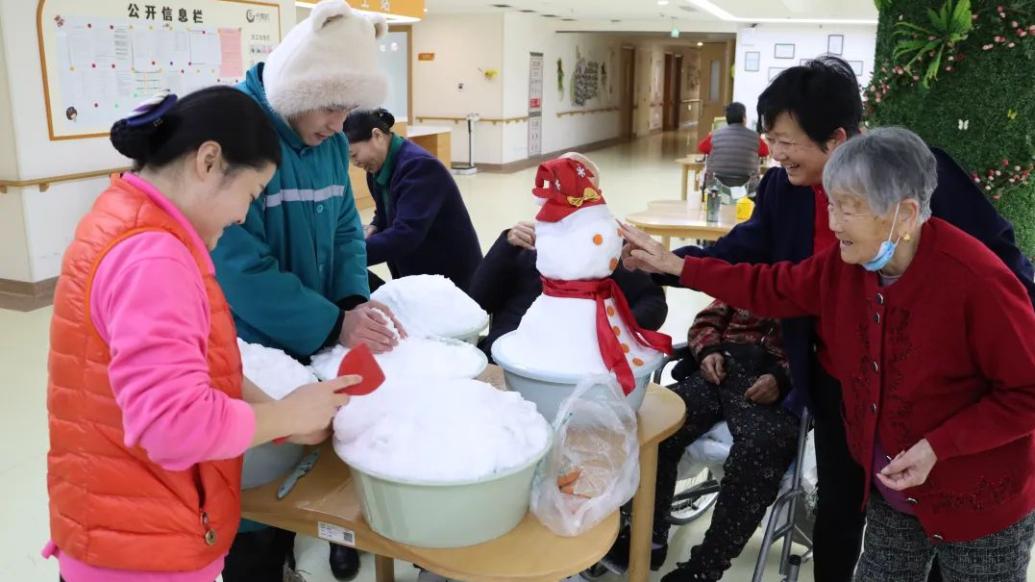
column 327, row 60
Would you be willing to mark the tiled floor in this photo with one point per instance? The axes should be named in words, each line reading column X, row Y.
column 632, row 175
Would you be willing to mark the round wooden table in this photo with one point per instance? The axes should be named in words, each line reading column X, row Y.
column 324, row 504
column 670, row 219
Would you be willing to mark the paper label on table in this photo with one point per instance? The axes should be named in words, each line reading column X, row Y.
column 335, row 534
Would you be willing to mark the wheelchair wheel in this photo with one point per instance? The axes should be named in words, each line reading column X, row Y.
column 694, row 496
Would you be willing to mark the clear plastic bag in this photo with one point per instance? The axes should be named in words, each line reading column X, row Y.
column 596, row 452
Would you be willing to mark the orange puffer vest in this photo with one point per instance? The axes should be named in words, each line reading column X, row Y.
column 111, row 506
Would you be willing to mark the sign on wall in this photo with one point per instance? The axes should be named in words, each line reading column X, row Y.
column 101, row 58
column 535, row 105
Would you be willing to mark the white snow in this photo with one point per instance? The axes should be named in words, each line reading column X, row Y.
column 432, row 305
column 420, row 356
column 568, row 250
column 439, row 430
column 560, row 334
column 275, row 372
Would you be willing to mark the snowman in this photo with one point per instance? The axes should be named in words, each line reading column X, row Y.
column 581, row 324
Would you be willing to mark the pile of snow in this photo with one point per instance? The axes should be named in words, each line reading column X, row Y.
column 432, row 305
column 439, row 431
column 422, row 356
column 272, row 370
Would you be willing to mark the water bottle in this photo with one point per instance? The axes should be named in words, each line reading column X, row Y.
column 713, row 203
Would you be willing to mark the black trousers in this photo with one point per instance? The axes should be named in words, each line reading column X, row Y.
column 838, row 533
column 764, row 444
column 260, row 556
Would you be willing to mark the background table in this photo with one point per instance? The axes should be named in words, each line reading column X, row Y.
column 678, row 219
column 692, row 163
column 528, row 553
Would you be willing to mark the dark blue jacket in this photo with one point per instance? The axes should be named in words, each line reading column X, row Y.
column 423, row 227
column 781, row 229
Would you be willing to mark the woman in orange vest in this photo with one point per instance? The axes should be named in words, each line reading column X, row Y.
column 149, row 412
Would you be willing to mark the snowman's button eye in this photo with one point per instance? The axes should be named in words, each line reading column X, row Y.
column 598, row 239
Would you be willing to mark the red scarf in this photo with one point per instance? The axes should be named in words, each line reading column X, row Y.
column 611, row 351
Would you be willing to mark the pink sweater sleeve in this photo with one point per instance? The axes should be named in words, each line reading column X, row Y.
column 148, row 303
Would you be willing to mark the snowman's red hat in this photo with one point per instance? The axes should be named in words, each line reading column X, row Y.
column 568, row 183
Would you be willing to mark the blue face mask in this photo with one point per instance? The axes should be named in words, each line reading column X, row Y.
column 886, row 251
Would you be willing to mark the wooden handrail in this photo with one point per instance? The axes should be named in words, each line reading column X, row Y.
column 494, row 121
column 44, row 183
column 587, row 111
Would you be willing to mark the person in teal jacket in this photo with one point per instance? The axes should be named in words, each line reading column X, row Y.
column 295, row 271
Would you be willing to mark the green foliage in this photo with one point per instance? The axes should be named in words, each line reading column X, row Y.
column 980, row 107
column 948, row 26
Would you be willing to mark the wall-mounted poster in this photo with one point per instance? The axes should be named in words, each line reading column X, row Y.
column 783, row 51
column 751, row 60
column 857, row 66
column 836, row 44
column 100, row 59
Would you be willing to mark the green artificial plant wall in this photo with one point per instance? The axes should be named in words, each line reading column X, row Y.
column 969, row 89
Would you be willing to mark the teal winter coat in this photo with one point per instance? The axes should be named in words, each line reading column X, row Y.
column 300, row 253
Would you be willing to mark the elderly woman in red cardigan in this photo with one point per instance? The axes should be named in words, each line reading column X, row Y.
column 933, row 339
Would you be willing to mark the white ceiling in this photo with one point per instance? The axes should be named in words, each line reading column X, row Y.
column 704, row 15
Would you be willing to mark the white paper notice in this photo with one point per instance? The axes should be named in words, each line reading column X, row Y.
column 174, row 49
column 204, row 48
column 145, row 51
column 80, row 47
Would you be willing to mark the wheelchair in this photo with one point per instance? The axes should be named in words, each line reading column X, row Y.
column 788, row 522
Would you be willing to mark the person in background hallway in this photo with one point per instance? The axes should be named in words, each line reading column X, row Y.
column 807, row 112
column 148, row 411
column 733, row 150
column 507, row 282
column 420, row 226
column 295, row 271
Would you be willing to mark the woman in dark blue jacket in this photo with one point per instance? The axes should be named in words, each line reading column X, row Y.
column 420, row 226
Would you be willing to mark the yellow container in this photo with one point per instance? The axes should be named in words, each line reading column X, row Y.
column 745, row 206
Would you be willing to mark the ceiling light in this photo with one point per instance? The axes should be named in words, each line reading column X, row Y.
column 721, row 14
column 662, row 2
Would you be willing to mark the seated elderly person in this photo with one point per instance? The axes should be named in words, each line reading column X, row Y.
column 737, row 372
column 507, row 282
column 930, row 335
column 733, row 150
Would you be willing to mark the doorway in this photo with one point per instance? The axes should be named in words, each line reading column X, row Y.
column 628, row 85
column 672, row 92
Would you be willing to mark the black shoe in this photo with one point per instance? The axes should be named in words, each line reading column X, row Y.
column 684, row 573
column 617, row 558
column 344, row 562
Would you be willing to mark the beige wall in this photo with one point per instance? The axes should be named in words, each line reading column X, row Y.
column 464, row 46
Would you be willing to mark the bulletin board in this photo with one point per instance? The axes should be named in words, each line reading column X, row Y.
column 103, row 57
